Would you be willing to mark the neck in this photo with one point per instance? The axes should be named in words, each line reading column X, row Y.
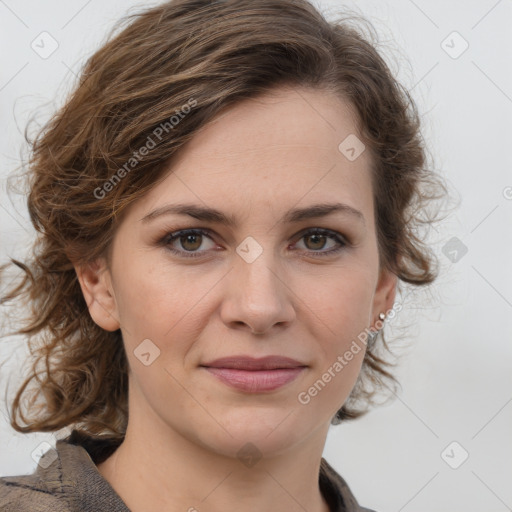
column 158, row 468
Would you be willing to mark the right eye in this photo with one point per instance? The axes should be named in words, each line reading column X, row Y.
column 189, row 239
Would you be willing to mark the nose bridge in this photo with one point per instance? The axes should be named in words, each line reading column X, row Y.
column 259, row 277
column 257, row 295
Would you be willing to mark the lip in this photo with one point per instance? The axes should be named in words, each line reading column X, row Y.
column 255, row 375
column 252, row 363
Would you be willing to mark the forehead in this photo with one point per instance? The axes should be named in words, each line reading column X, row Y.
column 297, row 118
column 281, row 148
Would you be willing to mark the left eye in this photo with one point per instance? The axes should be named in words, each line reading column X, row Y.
column 319, row 237
column 192, row 239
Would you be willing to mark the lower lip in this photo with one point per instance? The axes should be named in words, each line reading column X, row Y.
column 255, row 381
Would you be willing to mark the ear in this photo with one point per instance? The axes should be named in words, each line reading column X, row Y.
column 385, row 294
column 96, row 283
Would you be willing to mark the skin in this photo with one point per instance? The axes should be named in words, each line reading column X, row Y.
column 255, row 162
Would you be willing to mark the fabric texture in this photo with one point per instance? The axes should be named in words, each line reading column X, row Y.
column 67, row 480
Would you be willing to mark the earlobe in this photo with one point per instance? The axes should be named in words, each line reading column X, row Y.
column 96, row 285
column 384, row 294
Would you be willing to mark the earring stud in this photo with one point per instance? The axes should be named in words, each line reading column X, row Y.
column 382, row 316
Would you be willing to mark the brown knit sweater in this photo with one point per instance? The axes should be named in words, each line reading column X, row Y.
column 72, row 483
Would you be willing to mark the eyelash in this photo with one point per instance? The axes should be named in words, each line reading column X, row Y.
column 176, row 235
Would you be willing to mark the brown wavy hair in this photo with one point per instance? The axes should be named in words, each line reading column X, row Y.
column 214, row 54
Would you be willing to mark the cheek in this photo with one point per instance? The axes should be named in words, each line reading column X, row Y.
column 160, row 302
column 345, row 302
column 344, row 309
column 156, row 310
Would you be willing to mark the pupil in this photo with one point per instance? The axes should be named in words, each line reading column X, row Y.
column 317, row 237
column 191, row 237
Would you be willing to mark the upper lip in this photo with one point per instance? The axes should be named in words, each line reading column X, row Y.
column 251, row 363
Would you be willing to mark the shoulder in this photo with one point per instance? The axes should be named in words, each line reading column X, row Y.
column 42, row 491
column 337, row 491
column 66, row 480
column 30, row 493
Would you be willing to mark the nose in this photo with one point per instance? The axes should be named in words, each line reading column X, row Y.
column 257, row 297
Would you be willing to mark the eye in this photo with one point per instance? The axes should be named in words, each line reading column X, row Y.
column 316, row 239
column 187, row 243
column 189, row 239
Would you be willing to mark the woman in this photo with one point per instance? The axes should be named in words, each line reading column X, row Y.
column 226, row 208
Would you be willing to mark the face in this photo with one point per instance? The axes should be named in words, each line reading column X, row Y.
column 265, row 274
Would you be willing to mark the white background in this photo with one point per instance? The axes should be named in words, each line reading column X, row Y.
column 456, row 374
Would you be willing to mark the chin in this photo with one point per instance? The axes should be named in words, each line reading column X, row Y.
column 268, row 431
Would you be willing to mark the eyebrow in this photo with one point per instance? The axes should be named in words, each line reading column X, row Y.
column 295, row 215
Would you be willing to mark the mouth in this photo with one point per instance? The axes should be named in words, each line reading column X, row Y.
column 255, row 375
